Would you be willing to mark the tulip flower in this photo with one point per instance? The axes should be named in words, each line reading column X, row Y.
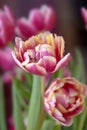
column 24, row 28
column 6, row 61
column 7, row 25
column 64, row 99
column 41, row 54
column 39, row 19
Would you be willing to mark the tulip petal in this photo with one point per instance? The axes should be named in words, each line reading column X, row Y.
column 36, row 69
column 64, row 121
column 63, row 62
column 17, row 61
column 48, row 62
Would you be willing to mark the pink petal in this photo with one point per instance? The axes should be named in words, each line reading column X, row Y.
column 36, row 69
column 63, row 62
column 24, row 28
column 17, row 61
column 48, row 62
column 75, row 112
column 37, row 19
column 62, row 120
column 84, row 14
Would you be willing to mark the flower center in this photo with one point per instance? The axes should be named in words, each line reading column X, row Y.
column 44, row 50
column 29, row 57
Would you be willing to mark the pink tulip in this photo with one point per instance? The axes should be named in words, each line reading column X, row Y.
column 25, row 28
column 39, row 19
column 41, row 54
column 84, row 15
column 6, row 26
column 64, row 99
column 6, row 61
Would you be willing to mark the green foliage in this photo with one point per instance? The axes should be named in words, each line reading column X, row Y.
column 48, row 125
column 17, row 113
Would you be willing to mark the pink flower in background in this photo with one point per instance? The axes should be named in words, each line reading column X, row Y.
column 64, row 99
column 6, row 61
column 39, row 19
column 84, row 15
column 49, row 17
column 11, row 124
column 41, row 54
column 25, row 28
column 7, row 25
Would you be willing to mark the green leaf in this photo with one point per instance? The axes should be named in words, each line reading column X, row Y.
column 82, row 120
column 22, row 89
column 2, row 107
column 22, row 101
column 17, row 113
column 29, row 79
column 35, row 103
column 48, row 125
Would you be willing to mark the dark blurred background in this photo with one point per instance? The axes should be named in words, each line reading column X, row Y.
column 69, row 21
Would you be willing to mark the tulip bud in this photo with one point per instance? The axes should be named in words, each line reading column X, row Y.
column 64, row 99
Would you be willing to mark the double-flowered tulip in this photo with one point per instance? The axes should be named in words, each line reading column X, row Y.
column 41, row 54
column 64, row 99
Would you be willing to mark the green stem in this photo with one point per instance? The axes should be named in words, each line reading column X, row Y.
column 2, row 107
column 42, row 113
column 35, row 103
column 82, row 120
